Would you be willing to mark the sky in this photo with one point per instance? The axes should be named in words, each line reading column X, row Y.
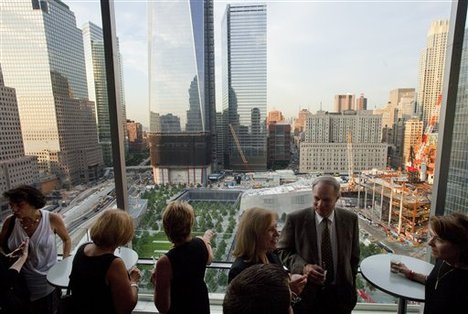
column 316, row 49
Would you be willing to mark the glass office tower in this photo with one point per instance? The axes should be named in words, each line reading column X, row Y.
column 181, row 90
column 457, row 184
column 97, row 86
column 244, row 36
column 42, row 58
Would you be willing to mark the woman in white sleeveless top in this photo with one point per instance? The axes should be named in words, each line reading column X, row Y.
column 40, row 226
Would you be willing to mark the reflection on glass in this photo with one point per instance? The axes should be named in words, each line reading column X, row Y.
column 456, row 200
column 181, row 90
column 244, row 31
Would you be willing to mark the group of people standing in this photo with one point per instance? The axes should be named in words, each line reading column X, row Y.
column 311, row 267
column 319, row 248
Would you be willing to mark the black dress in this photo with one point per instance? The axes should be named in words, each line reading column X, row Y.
column 240, row 264
column 451, row 295
column 14, row 296
column 189, row 293
column 90, row 293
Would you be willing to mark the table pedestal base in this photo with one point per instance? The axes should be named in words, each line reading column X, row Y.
column 402, row 305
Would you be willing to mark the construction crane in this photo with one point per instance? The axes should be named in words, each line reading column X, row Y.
column 423, row 153
column 239, row 148
column 351, row 182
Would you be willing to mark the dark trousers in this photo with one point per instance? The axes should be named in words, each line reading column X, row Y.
column 326, row 300
column 47, row 304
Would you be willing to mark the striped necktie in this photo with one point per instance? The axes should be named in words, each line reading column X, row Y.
column 327, row 254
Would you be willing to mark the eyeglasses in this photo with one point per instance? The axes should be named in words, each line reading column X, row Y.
column 435, row 237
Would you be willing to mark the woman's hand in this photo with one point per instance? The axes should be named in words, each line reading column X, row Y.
column 134, row 274
column 208, row 236
column 21, row 253
column 401, row 269
column 297, row 283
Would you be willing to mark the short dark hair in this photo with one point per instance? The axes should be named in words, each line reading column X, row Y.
column 28, row 194
column 454, row 229
column 259, row 289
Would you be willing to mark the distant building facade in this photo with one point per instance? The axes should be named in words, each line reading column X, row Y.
column 412, row 138
column 220, row 138
column 244, row 55
column 361, row 103
column 343, row 102
column 15, row 168
column 325, row 148
column 457, row 182
column 431, row 70
column 274, row 116
column 135, row 136
column 97, row 86
column 279, row 145
column 58, row 121
column 182, row 135
column 300, row 121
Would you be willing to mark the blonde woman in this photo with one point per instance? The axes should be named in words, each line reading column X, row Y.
column 179, row 274
column 256, row 240
column 99, row 280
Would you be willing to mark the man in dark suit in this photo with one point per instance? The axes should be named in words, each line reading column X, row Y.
column 323, row 242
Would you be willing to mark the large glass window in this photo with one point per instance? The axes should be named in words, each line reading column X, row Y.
column 358, row 84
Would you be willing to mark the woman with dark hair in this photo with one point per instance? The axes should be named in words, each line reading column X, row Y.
column 179, row 275
column 99, row 281
column 446, row 285
column 256, row 240
column 40, row 226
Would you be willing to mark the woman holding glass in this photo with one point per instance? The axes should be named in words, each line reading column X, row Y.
column 446, row 285
column 256, row 241
column 99, row 281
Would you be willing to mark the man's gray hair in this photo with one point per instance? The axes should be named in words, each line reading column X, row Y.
column 328, row 180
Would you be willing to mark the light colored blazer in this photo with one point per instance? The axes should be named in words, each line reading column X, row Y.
column 298, row 244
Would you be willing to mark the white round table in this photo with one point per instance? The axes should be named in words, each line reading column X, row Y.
column 376, row 270
column 59, row 274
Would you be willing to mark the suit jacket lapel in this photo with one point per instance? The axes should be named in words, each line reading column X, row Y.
column 312, row 233
column 339, row 227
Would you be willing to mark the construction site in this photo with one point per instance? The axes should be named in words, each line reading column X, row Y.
column 401, row 208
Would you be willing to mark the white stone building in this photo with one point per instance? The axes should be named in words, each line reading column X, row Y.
column 326, row 148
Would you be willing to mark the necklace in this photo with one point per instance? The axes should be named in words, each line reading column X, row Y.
column 440, row 277
column 26, row 225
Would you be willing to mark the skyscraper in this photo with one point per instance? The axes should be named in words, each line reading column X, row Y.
column 244, row 57
column 361, row 103
column 97, row 85
column 15, row 168
column 457, row 181
column 431, row 70
column 42, row 57
column 274, row 116
column 327, row 144
column 343, row 102
column 181, row 91
column 413, row 132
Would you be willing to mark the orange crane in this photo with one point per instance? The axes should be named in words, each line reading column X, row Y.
column 351, row 182
column 423, row 153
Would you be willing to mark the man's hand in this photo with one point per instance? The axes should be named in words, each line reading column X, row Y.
column 297, row 283
column 315, row 273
